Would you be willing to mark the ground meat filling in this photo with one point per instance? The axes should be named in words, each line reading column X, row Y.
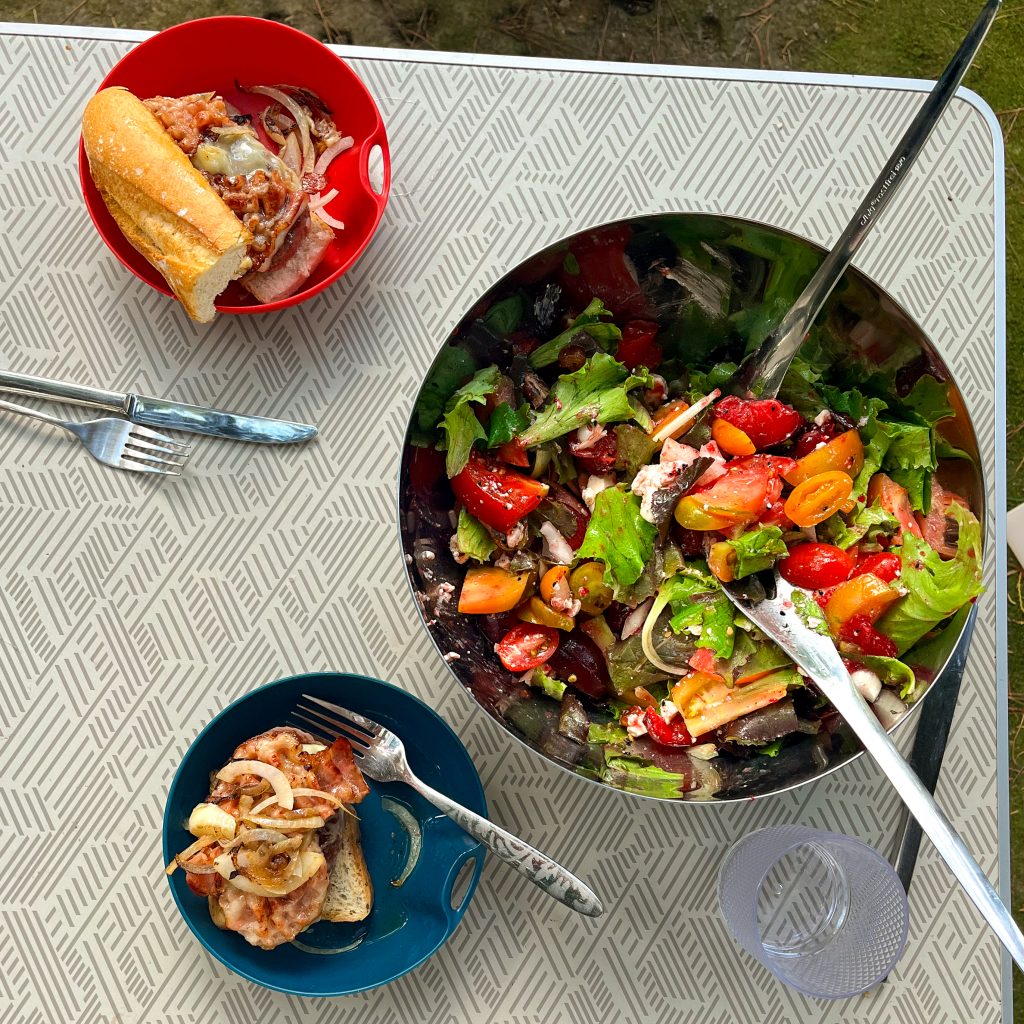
column 261, row 199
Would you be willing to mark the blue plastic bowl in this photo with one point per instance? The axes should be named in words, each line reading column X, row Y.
column 408, row 923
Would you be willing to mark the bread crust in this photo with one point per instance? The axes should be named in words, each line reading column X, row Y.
column 164, row 206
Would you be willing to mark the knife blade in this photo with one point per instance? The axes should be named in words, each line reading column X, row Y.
column 158, row 412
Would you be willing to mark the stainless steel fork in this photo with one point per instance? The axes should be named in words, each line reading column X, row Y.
column 119, row 443
column 381, row 755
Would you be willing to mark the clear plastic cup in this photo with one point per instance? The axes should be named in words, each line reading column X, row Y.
column 824, row 913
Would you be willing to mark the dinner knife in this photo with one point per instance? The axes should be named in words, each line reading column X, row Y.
column 157, row 412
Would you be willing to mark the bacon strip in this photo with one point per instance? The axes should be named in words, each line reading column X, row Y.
column 337, row 773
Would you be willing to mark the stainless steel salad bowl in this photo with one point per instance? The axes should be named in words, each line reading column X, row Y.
column 689, row 269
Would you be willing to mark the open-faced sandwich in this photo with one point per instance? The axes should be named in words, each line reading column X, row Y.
column 209, row 195
column 277, row 845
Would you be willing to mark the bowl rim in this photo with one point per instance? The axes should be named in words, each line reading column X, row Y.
column 399, row 483
column 376, row 137
column 477, row 851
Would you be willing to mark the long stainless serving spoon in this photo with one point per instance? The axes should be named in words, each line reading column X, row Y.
column 776, row 615
column 762, row 373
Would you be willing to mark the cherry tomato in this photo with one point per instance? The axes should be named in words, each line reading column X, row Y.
column 820, row 433
column 527, row 646
column 814, row 500
column 597, row 458
column 495, row 494
column 514, row 454
column 859, row 631
column 776, row 516
column 703, row 660
column 895, row 501
column 749, row 487
column 766, row 421
column 844, row 453
column 488, row 590
column 722, row 561
column 668, row 734
column 597, row 267
column 731, row 439
column 863, row 595
column 638, row 347
column 816, row 566
column 885, row 566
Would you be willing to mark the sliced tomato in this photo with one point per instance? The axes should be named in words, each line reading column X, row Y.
column 776, row 516
column 885, row 566
column 940, row 529
column 816, row 566
column 637, row 346
column 703, row 660
column 668, row 734
column 766, row 421
column 748, row 489
column 495, row 494
column 895, row 501
column 514, row 454
column 527, row 647
column 859, row 631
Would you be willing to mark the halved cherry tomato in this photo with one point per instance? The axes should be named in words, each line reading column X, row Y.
column 722, row 561
column 597, row 458
column 894, row 500
column 668, row 734
column 514, row 454
column 885, row 566
column 731, row 439
column 488, row 590
column 844, row 453
column 689, row 686
column 590, row 589
column 703, row 660
column 749, row 487
column 527, row 647
column 816, row 566
column 554, row 582
column 495, row 494
column 637, row 346
column 766, row 421
column 863, row 595
column 814, row 500
column 860, row 632
column 541, row 614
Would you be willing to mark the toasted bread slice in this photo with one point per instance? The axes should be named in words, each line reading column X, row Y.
column 349, row 891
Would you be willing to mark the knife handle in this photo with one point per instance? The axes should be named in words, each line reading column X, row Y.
column 58, row 391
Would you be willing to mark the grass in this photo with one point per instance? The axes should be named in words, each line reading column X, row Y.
column 892, row 37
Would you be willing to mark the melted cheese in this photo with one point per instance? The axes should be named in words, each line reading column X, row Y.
column 232, row 154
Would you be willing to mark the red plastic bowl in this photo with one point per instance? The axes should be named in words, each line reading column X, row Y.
column 214, row 53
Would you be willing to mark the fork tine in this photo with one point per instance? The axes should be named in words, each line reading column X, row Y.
column 128, row 457
column 139, row 467
column 152, row 435
column 370, row 726
column 178, row 452
column 294, row 719
column 358, row 740
column 339, row 724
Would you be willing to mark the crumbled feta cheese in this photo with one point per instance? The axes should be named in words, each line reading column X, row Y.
column 823, row 417
column 556, row 547
column 668, row 711
column 452, row 656
column 634, row 722
column 595, row 485
column 868, row 683
column 588, row 435
column 458, row 554
column 515, row 537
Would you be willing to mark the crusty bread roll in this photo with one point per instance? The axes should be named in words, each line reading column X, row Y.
column 164, row 206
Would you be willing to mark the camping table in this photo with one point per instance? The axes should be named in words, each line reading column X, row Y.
column 132, row 610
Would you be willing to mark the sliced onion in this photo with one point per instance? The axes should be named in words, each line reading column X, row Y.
column 287, row 824
column 224, row 866
column 345, row 142
column 636, row 618
column 323, row 199
column 299, row 115
column 255, row 836
column 273, row 132
column 276, row 778
column 190, row 851
column 647, row 642
column 319, row 794
column 332, row 221
column 310, row 863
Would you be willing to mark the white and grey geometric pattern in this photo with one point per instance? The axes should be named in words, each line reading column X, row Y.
column 131, row 609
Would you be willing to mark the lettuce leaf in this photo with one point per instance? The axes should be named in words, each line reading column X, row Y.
column 453, row 366
column 460, row 426
column 936, row 588
column 473, row 538
column 757, row 549
column 590, row 321
column 643, row 777
column 714, row 620
column 548, row 684
column 503, row 317
column 910, row 459
column 891, row 671
column 619, row 536
column 598, row 392
column 506, row 423
column 929, row 400
column 865, row 524
column 606, row 732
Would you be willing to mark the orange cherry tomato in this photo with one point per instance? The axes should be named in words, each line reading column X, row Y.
column 844, row 453
column 549, row 584
column 722, row 561
column 814, row 500
column 488, row 590
column 689, row 686
column 863, row 595
column 731, row 439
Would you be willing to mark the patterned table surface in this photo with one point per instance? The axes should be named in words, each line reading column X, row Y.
column 132, row 609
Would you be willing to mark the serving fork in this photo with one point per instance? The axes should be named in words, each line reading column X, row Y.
column 381, row 755
column 118, row 443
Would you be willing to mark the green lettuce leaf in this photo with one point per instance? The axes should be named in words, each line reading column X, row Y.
column 453, row 366
column 504, row 317
column 506, row 423
column 714, row 619
column 771, row 749
column 591, row 320
column 891, row 671
column 643, row 777
column 598, row 392
column 702, row 384
column 929, row 399
column 473, row 538
column 910, row 459
column 460, row 426
column 757, row 549
column 606, row 732
column 629, row 668
column 551, row 686
column 866, row 524
column 936, row 588
column 619, row 536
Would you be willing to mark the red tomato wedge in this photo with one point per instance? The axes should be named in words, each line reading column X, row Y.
column 749, row 488
column 668, row 734
column 495, row 494
column 885, row 566
column 766, row 421
column 637, row 346
column 895, row 501
column 527, row 647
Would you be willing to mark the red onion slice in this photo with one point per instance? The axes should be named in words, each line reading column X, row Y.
column 323, row 199
column 328, row 155
column 332, row 221
column 299, row 115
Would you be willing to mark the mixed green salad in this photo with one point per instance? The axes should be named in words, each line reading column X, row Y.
column 603, row 488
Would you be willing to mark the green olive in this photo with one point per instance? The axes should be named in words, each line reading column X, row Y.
column 588, row 586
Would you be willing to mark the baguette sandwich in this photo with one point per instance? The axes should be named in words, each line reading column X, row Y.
column 196, row 191
column 277, row 845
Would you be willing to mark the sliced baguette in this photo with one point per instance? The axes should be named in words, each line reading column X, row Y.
column 349, row 891
column 164, row 206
